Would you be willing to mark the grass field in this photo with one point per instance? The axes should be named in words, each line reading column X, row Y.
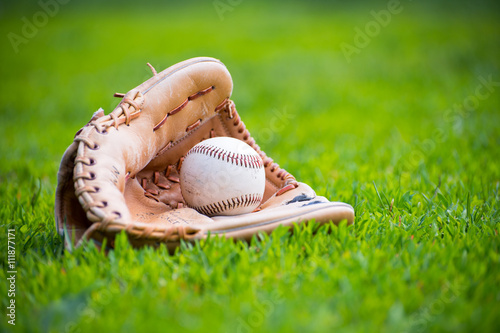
column 404, row 126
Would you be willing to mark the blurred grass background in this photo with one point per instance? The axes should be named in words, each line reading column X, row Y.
column 387, row 123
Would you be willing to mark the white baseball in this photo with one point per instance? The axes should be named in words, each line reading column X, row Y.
column 222, row 176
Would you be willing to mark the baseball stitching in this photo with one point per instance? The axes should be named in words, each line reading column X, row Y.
column 247, row 161
column 224, row 205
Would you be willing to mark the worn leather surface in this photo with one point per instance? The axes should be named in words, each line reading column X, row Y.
column 122, row 170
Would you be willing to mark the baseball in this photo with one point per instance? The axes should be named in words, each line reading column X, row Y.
column 222, row 176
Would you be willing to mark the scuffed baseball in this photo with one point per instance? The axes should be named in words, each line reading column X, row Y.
column 222, row 176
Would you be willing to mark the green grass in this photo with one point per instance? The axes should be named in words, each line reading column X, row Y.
column 379, row 132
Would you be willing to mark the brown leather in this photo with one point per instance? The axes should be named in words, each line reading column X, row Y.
column 122, row 170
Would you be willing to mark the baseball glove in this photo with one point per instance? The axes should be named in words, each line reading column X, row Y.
column 122, row 170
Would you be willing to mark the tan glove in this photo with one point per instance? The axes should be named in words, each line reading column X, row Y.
column 122, row 170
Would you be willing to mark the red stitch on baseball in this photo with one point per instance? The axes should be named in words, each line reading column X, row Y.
column 221, row 154
column 218, row 207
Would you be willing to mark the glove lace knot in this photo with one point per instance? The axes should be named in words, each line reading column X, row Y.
column 129, row 108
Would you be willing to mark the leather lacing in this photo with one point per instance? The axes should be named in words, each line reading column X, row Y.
column 182, row 106
column 129, row 109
